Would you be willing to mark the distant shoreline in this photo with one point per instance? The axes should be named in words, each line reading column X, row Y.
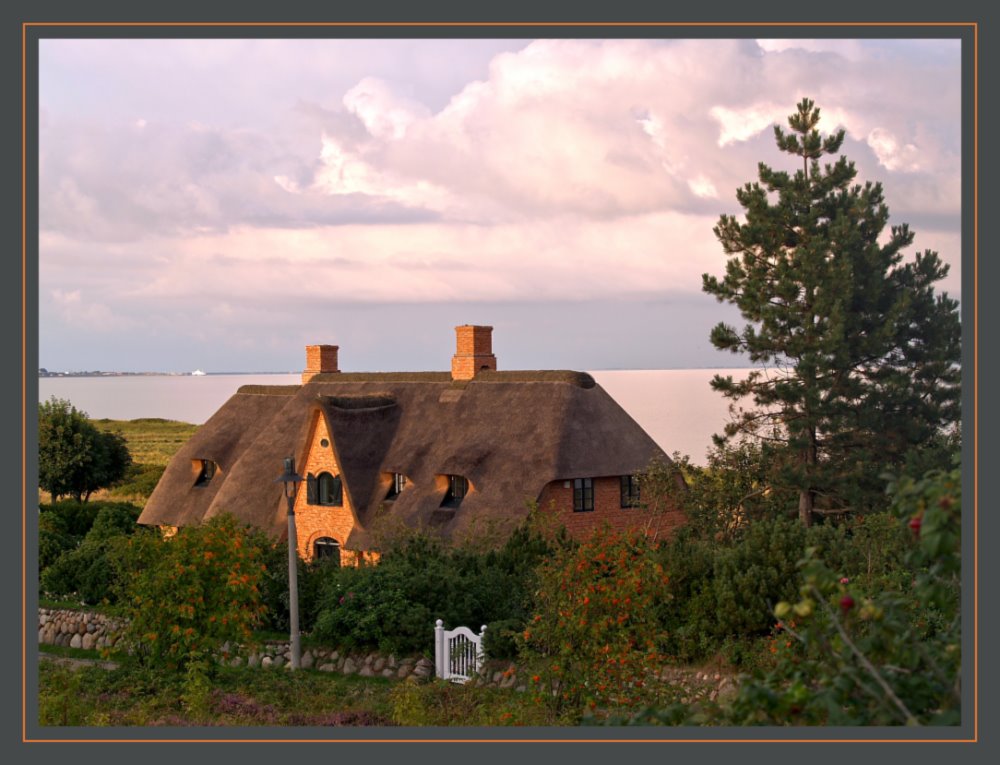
column 64, row 375
column 44, row 374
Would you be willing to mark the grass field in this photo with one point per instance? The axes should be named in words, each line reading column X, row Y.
column 151, row 441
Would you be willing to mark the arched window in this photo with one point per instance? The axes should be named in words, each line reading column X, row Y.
column 324, row 489
column 327, row 549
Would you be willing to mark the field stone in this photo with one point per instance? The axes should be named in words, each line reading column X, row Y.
column 379, row 664
column 388, row 672
column 253, row 660
column 267, row 661
column 327, row 668
column 403, row 671
column 349, row 666
column 307, row 660
column 366, row 671
column 279, row 661
column 76, row 641
column 88, row 641
column 81, row 627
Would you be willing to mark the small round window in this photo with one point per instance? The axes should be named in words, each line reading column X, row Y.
column 324, row 442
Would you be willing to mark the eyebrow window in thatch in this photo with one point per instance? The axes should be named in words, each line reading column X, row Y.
column 206, row 470
column 583, row 495
column 630, row 491
column 397, row 486
column 324, row 489
column 458, row 487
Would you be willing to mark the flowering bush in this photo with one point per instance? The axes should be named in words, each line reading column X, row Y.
column 188, row 595
column 595, row 636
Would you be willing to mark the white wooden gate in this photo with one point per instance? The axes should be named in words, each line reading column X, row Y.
column 458, row 653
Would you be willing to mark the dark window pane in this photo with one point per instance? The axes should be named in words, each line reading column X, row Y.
column 327, row 549
column 330, row 490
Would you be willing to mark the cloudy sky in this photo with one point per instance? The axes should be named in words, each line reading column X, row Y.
column 219, row 204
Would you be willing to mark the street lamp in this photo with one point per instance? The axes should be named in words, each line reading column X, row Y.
column 291, row 481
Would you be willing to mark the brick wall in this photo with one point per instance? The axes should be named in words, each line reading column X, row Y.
column 320, row 358
column 473, row 351
column 315, row 521
column 558, row 500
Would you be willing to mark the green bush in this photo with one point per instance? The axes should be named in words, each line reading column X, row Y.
column 77, row 517
column 53, row 539
column 90, row 570
column 140, row 479
column 189, row 594
column 393, row 606
column 595, row 633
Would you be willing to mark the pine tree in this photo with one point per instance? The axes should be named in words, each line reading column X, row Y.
column 856, row 359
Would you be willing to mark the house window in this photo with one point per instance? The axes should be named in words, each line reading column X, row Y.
column 206, row 470
column 327, row 550
column 458, row 487
column 630, row 491
column 397, row 486
column 324, row 489
column 583, row 495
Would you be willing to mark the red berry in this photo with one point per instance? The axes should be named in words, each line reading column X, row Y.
column 915, row 525
column 846, row 603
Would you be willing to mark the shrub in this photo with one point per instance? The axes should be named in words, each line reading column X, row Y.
column 848, row 656
column 53, row 539
column 139, row 480
column 77, row 517
column 595, row 634
column 90, row 570
column 393, row 606
column 190, row 594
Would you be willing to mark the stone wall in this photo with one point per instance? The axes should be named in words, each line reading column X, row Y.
column 77, row 629
column 89, row 630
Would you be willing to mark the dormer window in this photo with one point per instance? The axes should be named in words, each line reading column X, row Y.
column 324, row 489
column 206, row 470
column 397, row 486
column 458, row 487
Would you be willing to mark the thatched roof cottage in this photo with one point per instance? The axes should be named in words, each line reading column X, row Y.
column 456, row 452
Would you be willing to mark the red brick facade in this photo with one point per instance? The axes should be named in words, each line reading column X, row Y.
column 315, row 521
column 557, row 499
column 473, row 351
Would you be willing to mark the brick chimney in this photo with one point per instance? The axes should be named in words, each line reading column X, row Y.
column 473, row 351
column 320, row 359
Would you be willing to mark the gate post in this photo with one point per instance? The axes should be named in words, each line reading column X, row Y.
column 439, row 668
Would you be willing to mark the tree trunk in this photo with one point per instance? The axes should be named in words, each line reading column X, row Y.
column 806, row 507
column 806, row 496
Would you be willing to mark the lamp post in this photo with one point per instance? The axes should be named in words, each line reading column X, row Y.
column 291, row 481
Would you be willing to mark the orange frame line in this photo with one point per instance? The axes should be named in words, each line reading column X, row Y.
column 975, row 356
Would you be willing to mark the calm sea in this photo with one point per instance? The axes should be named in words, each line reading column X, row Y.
column 675, row 406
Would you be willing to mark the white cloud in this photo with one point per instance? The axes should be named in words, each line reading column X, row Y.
column 891, row 154
column 385, row 114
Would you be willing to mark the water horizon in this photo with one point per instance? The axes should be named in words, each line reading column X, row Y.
column 676, row 407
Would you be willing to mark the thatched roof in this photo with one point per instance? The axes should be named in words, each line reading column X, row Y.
column 508, row 433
